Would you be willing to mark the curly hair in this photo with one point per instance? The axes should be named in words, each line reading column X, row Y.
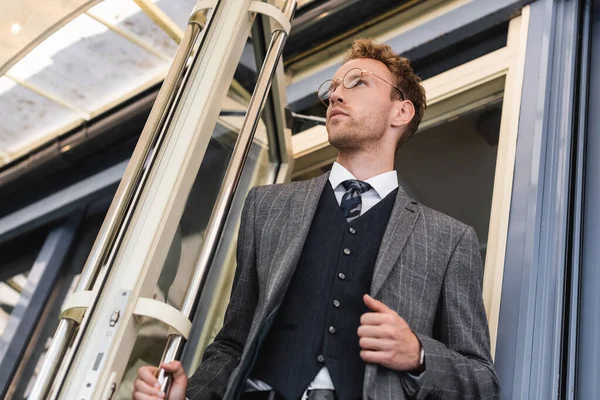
column 406, row 79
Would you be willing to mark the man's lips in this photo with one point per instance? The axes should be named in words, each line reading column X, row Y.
column 336, row 112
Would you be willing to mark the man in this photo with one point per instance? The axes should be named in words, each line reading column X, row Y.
column 345, row 287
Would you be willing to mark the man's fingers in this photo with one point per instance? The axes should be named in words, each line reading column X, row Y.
column 173, row 367
column 176, row 369
column 143, row 396
column 142, row 387
column 148, row 375
column 372, row 331
column 368, row 343
column 375, row 305
column 146, row 386
column 373, row 318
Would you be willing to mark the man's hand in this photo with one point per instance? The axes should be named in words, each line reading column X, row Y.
column 386, row 339
column 146, row 386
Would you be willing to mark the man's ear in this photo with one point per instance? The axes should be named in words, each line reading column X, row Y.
column 402, row 113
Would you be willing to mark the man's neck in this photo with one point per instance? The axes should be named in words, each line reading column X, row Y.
column 364, row 166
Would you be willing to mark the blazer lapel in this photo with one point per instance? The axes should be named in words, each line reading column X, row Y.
column 303, row 207
column 401, row 223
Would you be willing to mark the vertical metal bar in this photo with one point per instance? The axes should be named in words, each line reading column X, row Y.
column 260, row 43
column 230, row 182
column 587, row 368
column 39, row 285
column 569, row 390
column 57, row 350
column 280, row 138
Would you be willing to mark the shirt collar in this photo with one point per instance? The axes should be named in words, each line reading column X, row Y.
column 383, row 184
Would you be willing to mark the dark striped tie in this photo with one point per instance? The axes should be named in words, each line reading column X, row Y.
column 351, row 201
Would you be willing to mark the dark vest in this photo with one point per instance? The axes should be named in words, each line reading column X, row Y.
column 317, row 322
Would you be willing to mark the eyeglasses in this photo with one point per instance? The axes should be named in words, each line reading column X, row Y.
column 351, row 79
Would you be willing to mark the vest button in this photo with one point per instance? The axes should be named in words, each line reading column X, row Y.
column 320, row 358
column 336, row 303
column 352, row 230
column 332, row 330
column 347, row 251
column 341, row 276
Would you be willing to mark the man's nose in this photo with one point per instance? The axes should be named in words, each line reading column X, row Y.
column 336, row 95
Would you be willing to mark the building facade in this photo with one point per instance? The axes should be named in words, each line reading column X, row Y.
column 509, row 144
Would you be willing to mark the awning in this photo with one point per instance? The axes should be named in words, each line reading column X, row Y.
column 64, row 62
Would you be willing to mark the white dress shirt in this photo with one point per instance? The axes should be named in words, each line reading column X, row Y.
column 382, row 185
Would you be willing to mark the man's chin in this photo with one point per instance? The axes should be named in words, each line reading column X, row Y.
column 339, row 141
column 333, row 136
column 336, row 128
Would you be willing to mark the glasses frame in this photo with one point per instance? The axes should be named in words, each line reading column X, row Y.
column 343, row 79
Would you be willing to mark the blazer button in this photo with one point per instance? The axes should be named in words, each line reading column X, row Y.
column 336, row 303
column 320, row 358
column 352, row 231
column 341, row 276
column 347, row 251
column 332, row 330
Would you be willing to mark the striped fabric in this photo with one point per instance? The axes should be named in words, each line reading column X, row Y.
column 351, row 203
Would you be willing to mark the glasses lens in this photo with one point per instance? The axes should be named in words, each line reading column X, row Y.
column 325, row 90
column 352, row 78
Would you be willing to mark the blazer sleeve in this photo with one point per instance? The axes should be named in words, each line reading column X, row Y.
column 458, row 363
column 223, row 355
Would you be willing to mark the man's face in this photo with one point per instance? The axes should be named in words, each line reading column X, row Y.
column 358, row 118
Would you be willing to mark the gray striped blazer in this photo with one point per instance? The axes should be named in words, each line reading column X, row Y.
column 428, row 270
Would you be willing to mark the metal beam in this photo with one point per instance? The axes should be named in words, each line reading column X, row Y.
column 161, row 19
column 52, row 97
column 585, row 383
column 33, row 298
column 441, row 32
column 133, row 38
column 577, row 377
column 61, row 203
column 4, row 157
